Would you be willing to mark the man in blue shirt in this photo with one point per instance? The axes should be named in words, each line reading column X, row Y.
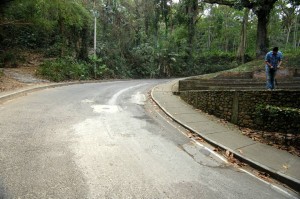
column 273, row 60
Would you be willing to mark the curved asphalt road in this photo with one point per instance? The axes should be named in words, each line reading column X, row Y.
column 106, row 140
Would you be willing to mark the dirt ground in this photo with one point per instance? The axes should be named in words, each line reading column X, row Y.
column 22, row 75
column 8, row 84
column 16, row 78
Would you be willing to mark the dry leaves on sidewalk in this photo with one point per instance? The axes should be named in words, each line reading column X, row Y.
column 288, row 142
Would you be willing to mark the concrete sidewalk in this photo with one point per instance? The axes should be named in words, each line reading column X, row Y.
column 280, row 164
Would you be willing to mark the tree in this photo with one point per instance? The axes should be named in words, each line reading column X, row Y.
column 64, row 24
column 192, row 11
column 242, row 46
column 262, row 9
column 289, row 18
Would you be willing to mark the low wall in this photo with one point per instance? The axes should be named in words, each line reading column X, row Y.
column 240, row 107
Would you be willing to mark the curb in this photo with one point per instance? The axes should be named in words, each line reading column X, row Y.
column 290, row 181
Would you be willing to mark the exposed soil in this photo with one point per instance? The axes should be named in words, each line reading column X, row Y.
column 7, row 84
column 23, row 75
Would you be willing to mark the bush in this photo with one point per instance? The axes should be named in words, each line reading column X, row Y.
column 62, row 69
column 67, row 68
column 292, row 60
column 10, row 58
column 100, row 70
column 210, row 63
column 275, row 118
column 143, row 61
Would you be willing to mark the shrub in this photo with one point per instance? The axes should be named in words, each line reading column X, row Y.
column 142, row 61
column 292, row 60
column 273, row 118
column 10, row 58
column 67, row 68
column 100, row 70
column 62, row 69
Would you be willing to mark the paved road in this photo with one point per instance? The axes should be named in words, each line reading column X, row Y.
column 107, row 140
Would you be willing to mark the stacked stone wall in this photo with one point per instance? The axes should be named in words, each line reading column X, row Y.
column 240, row 107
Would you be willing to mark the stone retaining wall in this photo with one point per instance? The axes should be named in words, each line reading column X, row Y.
column 239, row 107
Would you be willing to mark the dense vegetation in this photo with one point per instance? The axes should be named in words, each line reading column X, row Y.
column 141, row 38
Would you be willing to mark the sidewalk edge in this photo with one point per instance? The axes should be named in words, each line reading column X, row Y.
column 288, row 180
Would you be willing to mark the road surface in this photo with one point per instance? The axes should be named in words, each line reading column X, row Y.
column 108, row 140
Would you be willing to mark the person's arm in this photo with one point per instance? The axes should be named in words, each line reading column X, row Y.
column 267, row 60
column 269, row 64
column 279, row 63
column 280, row 60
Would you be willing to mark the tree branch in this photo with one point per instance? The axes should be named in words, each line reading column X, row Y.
column 223, row 2
column 244, row 3
column 14, row 23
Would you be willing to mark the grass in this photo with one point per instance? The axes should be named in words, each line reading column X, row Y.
column 290, row 61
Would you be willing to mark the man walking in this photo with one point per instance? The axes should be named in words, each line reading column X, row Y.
column 273, row 60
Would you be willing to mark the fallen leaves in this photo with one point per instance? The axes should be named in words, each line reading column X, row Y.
column 190, row 135
column 265, row 176
column 286, row 167
column 194, row 136
column 288, row 142
column 199, row 139
column 231, row 159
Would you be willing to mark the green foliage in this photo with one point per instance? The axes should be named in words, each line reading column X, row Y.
column 100, row 69
column 11, row 58
column 140, row 39
column 48, row 24
column 143, row 61
column 68, row 68
column 273, row 117
column 63, row 69
column 292, row 59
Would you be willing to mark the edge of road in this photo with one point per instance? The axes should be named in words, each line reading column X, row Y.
column 9, row 95
column 288, row 180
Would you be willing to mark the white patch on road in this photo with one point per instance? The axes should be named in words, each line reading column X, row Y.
column 87, row 101
column 106, row 108
column 113, row 100
column 138, row 98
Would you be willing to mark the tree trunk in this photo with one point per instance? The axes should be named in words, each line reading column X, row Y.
column 192, row 12
column 62, row 37
column 147, row 18
column 262, row 43
column 164, row 10
column 83, row 53
column 171, row 17
column 288, row 36
column 262, row 9
column 242, row 46
column 156, row 22
column 295, row 32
